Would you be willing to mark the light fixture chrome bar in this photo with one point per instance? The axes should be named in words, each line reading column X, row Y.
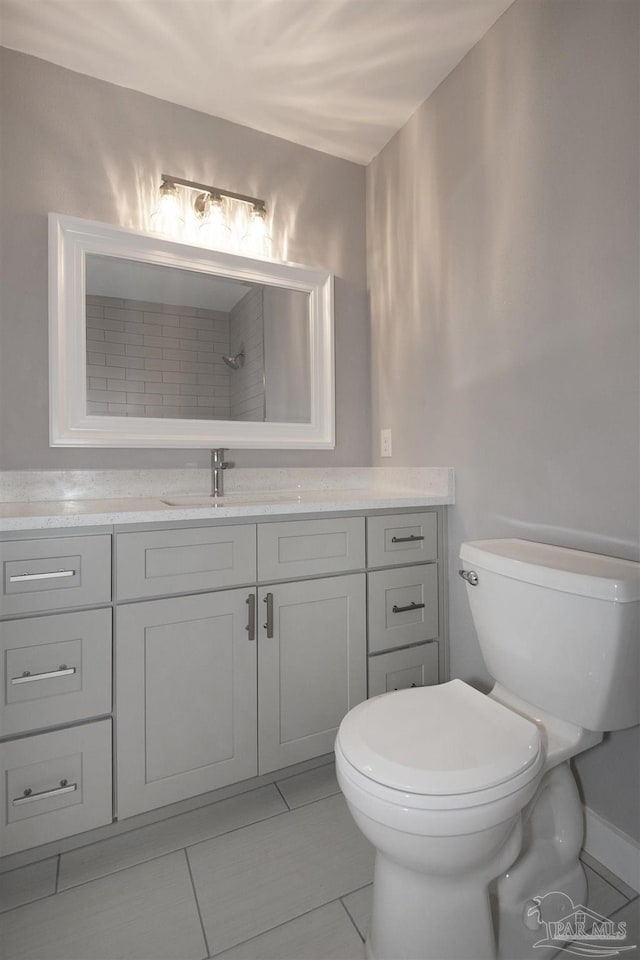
column 215, row 191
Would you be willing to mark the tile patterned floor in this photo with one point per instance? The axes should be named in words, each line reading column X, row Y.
column 277, row 873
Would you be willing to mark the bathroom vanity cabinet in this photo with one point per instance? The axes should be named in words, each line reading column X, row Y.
column 241, row 681
column 237, row 649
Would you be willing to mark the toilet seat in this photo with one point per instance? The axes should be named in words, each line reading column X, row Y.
column 440, row 747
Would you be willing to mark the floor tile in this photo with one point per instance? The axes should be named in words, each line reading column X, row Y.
column 358, row 905
column 310, row 786
column 148, row 911
column 26, row 858
column 28, row 883
column 256, row 878
column 607, row 875
column 601, row 896
column 323, row 934
column 125, row 850
column 630, row 914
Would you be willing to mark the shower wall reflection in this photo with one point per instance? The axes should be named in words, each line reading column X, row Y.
column 169, row 343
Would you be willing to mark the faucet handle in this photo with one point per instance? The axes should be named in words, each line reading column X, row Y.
column 217, row 459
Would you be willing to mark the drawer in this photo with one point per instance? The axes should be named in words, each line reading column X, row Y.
column 54, row 573
column 54, row 669
column 182, row 561
column 415, row 667
column 294, row 549
column 402, row 538
column 403, row 606
column 54, row 785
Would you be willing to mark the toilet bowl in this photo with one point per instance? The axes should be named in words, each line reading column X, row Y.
column 442, row 811
column 468, row 798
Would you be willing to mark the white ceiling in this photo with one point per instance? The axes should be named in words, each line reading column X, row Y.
column 340, row 76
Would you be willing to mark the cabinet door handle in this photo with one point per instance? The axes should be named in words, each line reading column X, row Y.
column 411, row 606
column 63, row 671
column 28, row 796
column 52, row 575
column 410, row 539
column 251, row 625
column 269, row 624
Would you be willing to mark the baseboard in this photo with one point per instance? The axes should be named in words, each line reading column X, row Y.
column 615, row 850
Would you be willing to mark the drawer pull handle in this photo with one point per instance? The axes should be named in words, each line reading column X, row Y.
column 27, row 677
column 269, row 624
column 410, row 606
column 411, row 539
column 251, row 625
column 52, row 575
column 29, row 796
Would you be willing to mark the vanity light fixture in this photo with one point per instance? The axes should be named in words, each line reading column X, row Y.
column 211, row 207
column 214, row 231
column 166, row 217
column 256, row 238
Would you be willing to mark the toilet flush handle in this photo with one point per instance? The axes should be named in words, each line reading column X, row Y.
column 470, row 576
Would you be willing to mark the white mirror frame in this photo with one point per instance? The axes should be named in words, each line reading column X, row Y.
column 70, row 240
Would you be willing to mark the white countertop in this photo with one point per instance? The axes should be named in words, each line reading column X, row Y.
column 40, row 500
column 41, row 515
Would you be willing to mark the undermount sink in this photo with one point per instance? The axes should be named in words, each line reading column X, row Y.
column 231, row 500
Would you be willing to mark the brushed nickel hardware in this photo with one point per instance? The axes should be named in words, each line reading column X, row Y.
column 53, row 575
column 269, row 624
column 410, row 606
column 218, row 465
column 251, row 625
column 206, row 189
column 28, row 677
column 470, row 576
column 29, row 796
column 410, row 539
column 209, row 206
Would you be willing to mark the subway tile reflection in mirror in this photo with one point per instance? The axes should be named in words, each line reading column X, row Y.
column 157, row 339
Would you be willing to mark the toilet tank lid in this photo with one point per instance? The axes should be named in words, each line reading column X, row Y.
column 558, row 568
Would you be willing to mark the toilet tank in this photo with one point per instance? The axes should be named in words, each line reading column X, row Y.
column 559, row 628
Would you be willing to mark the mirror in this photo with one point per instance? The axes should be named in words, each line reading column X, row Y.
column 163, row 344
column 166, row 342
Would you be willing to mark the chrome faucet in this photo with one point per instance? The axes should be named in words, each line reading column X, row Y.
column 218, row 464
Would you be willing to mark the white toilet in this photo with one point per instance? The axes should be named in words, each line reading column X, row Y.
column 469, row 799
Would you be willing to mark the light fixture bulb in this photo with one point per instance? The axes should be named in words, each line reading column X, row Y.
column 166, row 218
column 214, row 230
column 256, row 239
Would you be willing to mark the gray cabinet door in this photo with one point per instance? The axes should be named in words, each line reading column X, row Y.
column 54, row 785
column 312, row 669
column 55, row 572
column 310, row 548
column 54, row 669
column 403, row 606
column 160, row 562
column 412, row 667
column 397, row 539
column 185, row 698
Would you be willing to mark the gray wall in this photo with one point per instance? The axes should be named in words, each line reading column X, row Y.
column 79, row 146
column 503, row 272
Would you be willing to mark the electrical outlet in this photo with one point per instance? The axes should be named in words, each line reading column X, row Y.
column 385, row 443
